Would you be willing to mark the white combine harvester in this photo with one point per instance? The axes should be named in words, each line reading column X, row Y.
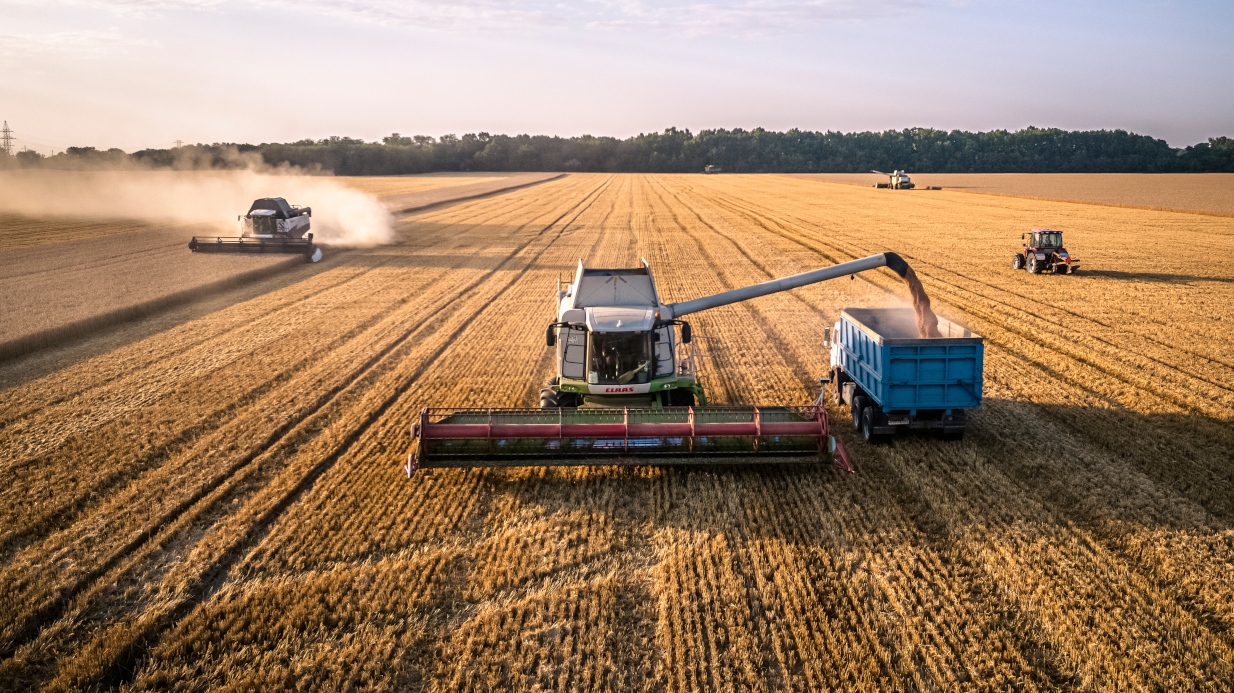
column 898, row 180
column 271, row 226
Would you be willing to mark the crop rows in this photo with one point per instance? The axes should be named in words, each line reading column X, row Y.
column 221, row 505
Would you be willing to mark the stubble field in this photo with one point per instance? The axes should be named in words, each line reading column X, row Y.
column 213, row 499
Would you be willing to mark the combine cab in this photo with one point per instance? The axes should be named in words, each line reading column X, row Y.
column 1043, row 250
column 271, row 226
column 628, row 389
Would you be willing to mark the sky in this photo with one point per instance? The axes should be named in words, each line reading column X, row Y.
column 138, row 74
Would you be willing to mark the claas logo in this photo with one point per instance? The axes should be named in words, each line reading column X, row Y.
column 619, row 389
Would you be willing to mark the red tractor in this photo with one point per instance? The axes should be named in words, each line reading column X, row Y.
column 1044, row 250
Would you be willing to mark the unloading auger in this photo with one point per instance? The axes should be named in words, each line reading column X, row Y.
column 628, row 389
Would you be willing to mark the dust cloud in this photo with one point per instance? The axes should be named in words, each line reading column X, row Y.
column 341, row 216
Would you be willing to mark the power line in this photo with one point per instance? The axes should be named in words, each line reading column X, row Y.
column 179, row 143
column 6, row 139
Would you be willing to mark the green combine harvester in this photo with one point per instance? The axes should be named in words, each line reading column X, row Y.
column 628, row 389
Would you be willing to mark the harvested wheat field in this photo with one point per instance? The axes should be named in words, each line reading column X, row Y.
column 1201, row 192
column 111, row 247
column 213, row 498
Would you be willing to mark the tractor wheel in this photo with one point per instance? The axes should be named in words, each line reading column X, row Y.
column 1017, row 261
column 859, row 405
column 837, row 394
column 1034, row 267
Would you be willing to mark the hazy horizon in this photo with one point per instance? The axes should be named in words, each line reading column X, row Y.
column 138, row 74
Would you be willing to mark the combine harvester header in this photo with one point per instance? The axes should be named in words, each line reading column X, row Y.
column 628, row 389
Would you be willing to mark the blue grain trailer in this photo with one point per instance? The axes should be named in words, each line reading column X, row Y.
column 893, row 380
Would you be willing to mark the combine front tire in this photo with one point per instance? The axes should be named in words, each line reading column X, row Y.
column 552, row 399
column 1017, row 261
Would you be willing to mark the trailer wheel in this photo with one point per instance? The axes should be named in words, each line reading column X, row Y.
column 1017, row 261
column 953, row 434
column 859, row 405
column 867, row 426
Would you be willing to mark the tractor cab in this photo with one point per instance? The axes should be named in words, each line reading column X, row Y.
column 1043, row 238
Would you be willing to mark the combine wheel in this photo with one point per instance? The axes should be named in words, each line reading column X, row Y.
column 549, row 398
column 1017, row 261
column 552, row 399
column 859, row 405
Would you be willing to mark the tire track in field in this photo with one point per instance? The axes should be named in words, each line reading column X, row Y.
column 1184, row 599
column 358, row 496
column 970, row 307
column 749, row 327
column 787, row 346
column 63, row 509
column 1087, row 334
column 273, row 438
column 1202, row 473
column 941, row 626
column 71, row 501
column 13, row 409
column 122, row 669
column 373, row 509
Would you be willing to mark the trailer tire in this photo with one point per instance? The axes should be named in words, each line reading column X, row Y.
column 1017, row 261
column 867, row 426
column 859, row 405
column 954, row 434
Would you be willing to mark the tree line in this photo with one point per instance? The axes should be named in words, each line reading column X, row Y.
column 921, row 150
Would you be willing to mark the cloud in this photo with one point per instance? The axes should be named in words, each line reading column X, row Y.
column 744, row 18
column 85, row 44
column 142, row 8
column 751, row 19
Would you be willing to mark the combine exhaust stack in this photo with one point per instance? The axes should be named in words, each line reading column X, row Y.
column 628, row 389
